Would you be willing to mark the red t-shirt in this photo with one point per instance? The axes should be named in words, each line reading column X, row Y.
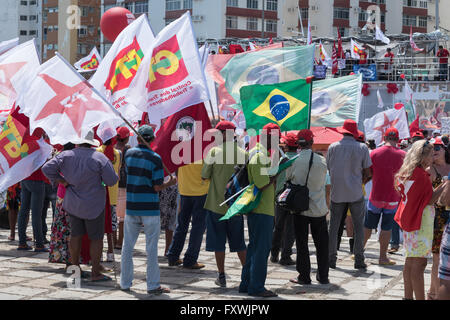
column 386, row 162
column 416, row 194
column 38, row 176
column 443, row 54
column 389, row 55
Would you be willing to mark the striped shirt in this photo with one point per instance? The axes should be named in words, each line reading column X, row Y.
column 144, row 170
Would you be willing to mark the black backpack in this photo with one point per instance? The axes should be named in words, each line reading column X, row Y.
column 237, row 182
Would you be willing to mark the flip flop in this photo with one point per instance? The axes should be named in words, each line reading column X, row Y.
column 102, row 279
column 11, row 238
column 388, row 263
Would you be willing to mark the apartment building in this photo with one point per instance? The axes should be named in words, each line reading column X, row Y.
column 73, row 25
column 21, row 19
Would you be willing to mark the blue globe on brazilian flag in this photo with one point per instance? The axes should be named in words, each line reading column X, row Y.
column 287, row 104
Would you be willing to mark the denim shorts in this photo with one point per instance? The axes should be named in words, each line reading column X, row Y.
column 373, row 215
column 217, row 233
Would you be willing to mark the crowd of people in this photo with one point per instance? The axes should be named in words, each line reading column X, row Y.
column 119, row 190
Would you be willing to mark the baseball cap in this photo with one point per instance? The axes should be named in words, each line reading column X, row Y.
column 305, row 135
column 418, row 134
column 146, row 132
column 123, row 132
column 290, row 139
column 437, row 141
column 271, row 127
column 225, row 125
column 391, row 133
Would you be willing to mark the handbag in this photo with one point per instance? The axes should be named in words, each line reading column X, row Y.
column 294, row 197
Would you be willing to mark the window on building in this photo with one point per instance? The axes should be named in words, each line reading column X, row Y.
column 305, row 13
column 23, row 3
column 23, row 18
column 33, row 18
column 50, row 46
column 141, row 7
column 187, row 4
column 252, row 4
column 410, row 3
column 409, row 20
column 82, row 32
column 344, row 32
column 168, row 21
column 129, row 6
column 271, row 26
column 363, row 15
column 232, row 3
column 33, row 3
column 423, row 22
column 33, row 32
column 53, row 10
column 232, row 22
column 91, row 30
column 272, row 5
column 341, row 13
column 252, row 23
column 173, row 5
column 423, row 4
column 84, row 11
column 23, row 32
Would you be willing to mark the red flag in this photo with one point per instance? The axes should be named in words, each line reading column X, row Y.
column 235, row 48
column 180, row 139
column 414, row 126
column 340, row 50
column 334, row 69
column 270, row 41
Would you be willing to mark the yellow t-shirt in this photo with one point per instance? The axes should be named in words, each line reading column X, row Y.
column 114, row 190
column 190, row 182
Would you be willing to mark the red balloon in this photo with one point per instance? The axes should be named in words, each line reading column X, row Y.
column 402, row 76
column 114, row 21
column 398, row 106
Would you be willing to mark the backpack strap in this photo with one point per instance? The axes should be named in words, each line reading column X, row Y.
column 310, row 165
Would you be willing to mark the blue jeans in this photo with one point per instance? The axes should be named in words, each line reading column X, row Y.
column 32, row 197
column 191, row 207
column 395, row 235
column 132, row 227
column 254, row 272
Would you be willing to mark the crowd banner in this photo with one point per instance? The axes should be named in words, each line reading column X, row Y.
column 118, row 68
column 334, row 100
column 63, row 104
column 171, row 76
column 369, row 72
column 17, row 67
column 376, row 126
column 90, row 62
column 20, row 153
column 320, row 72
column 286, row 104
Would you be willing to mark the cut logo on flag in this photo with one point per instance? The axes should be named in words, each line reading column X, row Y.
column 90, row 65
column 124, row 67
column 167, row 66
column 279, row 107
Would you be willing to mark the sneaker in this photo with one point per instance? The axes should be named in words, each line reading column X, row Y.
column 333, row 265
column 287, row 262
column 175, row 263
column 221, row 280
column 360, row 265
column 159, row 291
column 195, row 266
column 322, row 281
column 274, row 257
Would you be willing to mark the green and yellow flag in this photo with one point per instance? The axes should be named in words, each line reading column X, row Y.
column 286, row 104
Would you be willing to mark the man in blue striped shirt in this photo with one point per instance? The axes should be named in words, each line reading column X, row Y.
column 145, row 178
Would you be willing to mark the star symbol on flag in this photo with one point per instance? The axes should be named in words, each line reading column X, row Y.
column 7, row 71
column 386, row 125
column 74, row 101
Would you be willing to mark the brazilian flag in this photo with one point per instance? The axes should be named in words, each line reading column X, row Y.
column 287, row 104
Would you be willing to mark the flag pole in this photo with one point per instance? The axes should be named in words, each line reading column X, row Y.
column 110, row 105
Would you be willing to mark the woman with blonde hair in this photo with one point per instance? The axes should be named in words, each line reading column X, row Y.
column 415, row 215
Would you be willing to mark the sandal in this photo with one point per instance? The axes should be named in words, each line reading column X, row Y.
column 159, row 291
column 387, row 263
column 44, row 249
column 431, row 296
column 102, row 279
column 265, row 294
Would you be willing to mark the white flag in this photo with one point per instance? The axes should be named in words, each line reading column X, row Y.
column 89, row 63
column 252, row 46
column 409, row 95
column 120, row 65
column 8, row 44
column 380, row 101
column 170, row 77
column 204, row 53
column 63, row 103
column 356, row 48
column 376, row 126
column 324, row 57
column 379, row 35
column 17, row 67
column 309, row 40
column 301, row 22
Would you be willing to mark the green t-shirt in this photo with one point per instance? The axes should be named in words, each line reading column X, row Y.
column 218, row 169
column 258, row 161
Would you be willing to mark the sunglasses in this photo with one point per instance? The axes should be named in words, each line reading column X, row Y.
column 437, row 148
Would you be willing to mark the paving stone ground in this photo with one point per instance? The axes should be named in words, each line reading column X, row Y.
column 29, row 276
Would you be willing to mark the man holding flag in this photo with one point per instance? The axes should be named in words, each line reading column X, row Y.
column 260, row 220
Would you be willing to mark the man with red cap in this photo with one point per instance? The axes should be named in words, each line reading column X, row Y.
column 260, row 220
column 349, row 165
column 218, row 167
column 383, row 200
column 283, row 232
column 310, row 169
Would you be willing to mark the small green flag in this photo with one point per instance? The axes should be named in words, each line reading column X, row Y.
column 286, row 104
